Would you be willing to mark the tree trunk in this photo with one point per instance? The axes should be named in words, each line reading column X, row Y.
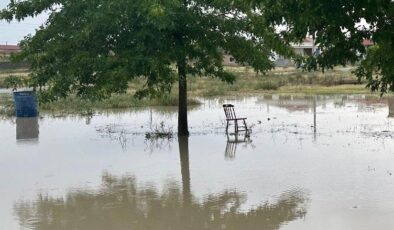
column 182, row 105
column 185, row 169
column 186, row 191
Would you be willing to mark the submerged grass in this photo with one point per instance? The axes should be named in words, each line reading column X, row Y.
column 76, row 105
column 120, row 101
column 161, row 132
column 338, row 89
column 282, row 81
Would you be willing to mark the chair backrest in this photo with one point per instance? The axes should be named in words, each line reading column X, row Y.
column 229, row 111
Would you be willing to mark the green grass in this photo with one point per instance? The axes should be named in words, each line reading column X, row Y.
column 280, row 81
column 75, row 105
column 5, row 73
column 267, row 85
column 121, row 101
column 337, row 89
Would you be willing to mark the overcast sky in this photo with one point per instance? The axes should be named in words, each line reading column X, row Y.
column 13, row 32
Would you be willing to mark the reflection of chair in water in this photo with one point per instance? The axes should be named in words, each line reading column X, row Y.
column 230, row 116
column 27, row 128
column 232, row 142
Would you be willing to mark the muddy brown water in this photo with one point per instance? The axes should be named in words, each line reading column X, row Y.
column 319, row 162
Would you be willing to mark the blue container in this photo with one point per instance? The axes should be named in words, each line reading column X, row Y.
column 25, row 104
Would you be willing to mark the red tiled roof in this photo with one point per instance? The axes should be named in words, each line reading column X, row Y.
column 9, row 49
column 367, row 42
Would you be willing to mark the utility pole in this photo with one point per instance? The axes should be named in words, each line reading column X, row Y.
column 314, row 118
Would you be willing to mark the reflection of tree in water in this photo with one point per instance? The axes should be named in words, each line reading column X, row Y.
column 120, row 204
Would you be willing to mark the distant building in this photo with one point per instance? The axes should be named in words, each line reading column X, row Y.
column 229, row 60
column 6, row 50
column 306, row 48
column 367, row 43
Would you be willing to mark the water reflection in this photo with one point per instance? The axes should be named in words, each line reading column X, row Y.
column 351, row 158
column 298, row 103
column 183, row 143
column 233, row 140
column 289, row 102
column 122, row 203
column 27, row 128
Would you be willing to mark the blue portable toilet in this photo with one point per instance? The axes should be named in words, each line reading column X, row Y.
column 25, row 104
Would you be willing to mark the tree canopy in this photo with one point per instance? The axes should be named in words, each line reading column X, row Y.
column 339, row 28
column 94, row 47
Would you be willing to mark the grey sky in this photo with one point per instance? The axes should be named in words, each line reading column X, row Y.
column 13, row 32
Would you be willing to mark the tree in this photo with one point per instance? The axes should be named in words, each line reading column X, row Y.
column 93, row 48
column 339, row 28
column 121, row 203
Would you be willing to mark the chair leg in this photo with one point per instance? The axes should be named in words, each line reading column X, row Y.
column 227, row 126
column 246, row 127
column 236, row 126
column 236, row 137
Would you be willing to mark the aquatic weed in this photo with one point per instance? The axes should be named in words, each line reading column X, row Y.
column 160, row 132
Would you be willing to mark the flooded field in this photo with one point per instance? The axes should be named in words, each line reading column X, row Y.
column 319, row 162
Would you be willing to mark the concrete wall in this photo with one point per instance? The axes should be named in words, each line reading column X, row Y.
column 229, row 60
column 282, row 62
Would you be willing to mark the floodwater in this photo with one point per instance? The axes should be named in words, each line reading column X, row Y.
column 315, row 162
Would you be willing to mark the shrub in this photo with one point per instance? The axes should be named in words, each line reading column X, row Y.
column 267, row 86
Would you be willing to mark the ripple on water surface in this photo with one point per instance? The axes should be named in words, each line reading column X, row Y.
column 319, row 162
